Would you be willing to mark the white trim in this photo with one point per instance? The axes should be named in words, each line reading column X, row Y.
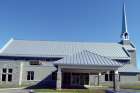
column 6, row 45
column 125, row 19
column 100, row 73
column 21, row 72
column 116, row 72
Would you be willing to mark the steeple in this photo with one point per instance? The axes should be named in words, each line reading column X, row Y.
column 124, row 34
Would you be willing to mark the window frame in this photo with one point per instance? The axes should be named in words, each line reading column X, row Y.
column 4, row 79
column 34, row 62
column 30, row 76
column 7, row 73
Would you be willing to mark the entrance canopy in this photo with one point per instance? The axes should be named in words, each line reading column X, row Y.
column 85, row 68
column 87, row 60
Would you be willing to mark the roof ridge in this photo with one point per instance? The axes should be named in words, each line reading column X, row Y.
column 66, row 41
column 97, row 54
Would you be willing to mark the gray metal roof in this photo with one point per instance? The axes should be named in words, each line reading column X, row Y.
column 55, row 48
column 87, row 58
column 129, row 47
column 129, row 68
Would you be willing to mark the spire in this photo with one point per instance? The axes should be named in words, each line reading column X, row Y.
column 124, row 21
column 124, row 34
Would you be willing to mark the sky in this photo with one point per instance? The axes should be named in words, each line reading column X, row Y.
column 69, row 20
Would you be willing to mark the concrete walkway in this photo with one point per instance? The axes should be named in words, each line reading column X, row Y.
column 14, row 90
column 123, row 91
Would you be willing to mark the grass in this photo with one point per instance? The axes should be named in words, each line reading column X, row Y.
column 70, row 91
column 130, row 86
column 135, row 87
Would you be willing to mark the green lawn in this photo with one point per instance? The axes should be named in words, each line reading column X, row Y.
column 128, row 87
column 135, row 86
column 69, row 91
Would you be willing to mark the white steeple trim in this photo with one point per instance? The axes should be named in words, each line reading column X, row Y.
column 125, row 19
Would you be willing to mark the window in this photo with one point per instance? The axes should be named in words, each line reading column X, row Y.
column 86, row 79
column 10, row 70
column 4, row 70
column 7, row 74
column 126, row 35
column 54, row 75
column 9, row 77
column 66, row 78
column 3, row 77
column 30, row 75
column 80, row 79
column 106, row 77
column 35, row 62
column 110, row 76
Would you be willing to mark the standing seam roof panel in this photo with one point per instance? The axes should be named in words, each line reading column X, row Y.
column 45, row 48
column 83, row 58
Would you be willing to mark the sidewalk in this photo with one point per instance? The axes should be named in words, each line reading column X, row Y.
column 14, row 90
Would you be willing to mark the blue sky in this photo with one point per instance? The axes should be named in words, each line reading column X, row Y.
column 69, row 20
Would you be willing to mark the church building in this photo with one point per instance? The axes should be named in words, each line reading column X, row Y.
column 69, row 64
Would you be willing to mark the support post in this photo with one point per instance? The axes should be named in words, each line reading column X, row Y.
column 108, row 75
column 116, row 84
column 99, row 78
column 59, row 79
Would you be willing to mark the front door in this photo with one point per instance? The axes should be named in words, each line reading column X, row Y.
column 79, row 79
column 75, row 79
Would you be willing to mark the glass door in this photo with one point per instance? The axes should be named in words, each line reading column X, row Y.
column 80, row 79
column 75, row 79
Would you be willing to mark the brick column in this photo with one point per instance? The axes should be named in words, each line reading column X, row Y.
column 116, row 84
column 59, row 79
column 92, row 79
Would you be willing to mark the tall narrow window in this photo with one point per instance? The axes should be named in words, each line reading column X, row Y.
column 110, row 76
column 30, row 75
column 3, row 77
column 4, row 71
column 106, row 77
column 9, row 77
column 10, row 71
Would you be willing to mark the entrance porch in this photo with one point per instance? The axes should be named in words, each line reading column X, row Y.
column 84, row 78
column 85, row 68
